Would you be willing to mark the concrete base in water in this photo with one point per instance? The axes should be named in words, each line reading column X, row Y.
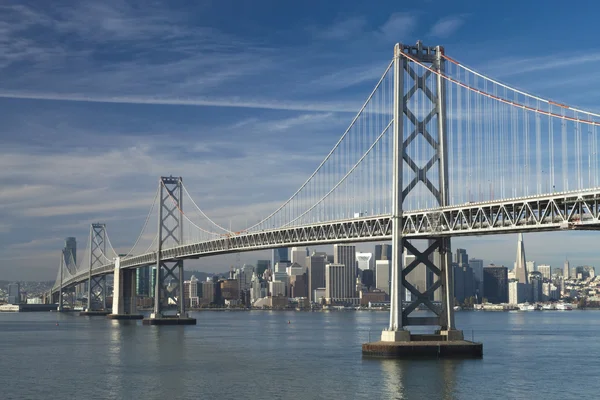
column 165, row 320
column 100, row 313
column 124, row 316
column 424, row 346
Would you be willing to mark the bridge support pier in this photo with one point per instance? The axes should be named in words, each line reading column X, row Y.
column 96, row 296
column 124, row 294
column 170, row 230
column 408, row 125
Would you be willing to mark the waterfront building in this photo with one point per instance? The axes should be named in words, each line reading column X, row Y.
column 495, row 284
column 345, row 254
column 277, row 288
column 517, row 292
column 208, row 292
column 319, row 295
column 376, row 296
column 476, row 265
column 315, row 265
column 14, row 293
column 382, row 275
column 464, row 282
column 298, row 286
column 336, row 283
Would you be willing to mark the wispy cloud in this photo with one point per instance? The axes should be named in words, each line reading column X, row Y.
column 447, row 26
column 344, row 29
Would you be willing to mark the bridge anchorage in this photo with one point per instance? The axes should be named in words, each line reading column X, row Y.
column 409, row 125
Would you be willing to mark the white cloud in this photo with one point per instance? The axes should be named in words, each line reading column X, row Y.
column 447, row 26
column 398, row 26
column 344, row 29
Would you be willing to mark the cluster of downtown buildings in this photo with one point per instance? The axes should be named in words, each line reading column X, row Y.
column 297, row 277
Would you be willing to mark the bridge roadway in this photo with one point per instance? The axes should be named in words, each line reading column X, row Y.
column 574, row 210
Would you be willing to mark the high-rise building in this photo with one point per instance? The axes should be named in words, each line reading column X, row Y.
column 521, row 264
column 531, row 266
column 70, row 251
column 382, row 275
column 383, row 252
column 230, row 289
column 262, row 266
column 368, row 278
column 461, row 258
column 14, row 293
column 280, row 254
column 208, row 292
column 315, row 265
column 298, row 255
column 336, row 283
column 536, row 281
column 546, row 271
column 495, row 284
column 277, row 288
column 244, row 276
column 476, row 265
column 346, row 254
column 298, row 287
column 420, row 277
column 142, row 281
column 364, row 260
column 464, row 282
column 566, row 270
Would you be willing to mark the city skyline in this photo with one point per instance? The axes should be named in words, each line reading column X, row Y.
column 112, row 125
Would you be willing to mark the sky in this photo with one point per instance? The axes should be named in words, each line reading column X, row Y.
column 242, row 99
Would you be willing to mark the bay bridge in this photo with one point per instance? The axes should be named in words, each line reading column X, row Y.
column 437, row 150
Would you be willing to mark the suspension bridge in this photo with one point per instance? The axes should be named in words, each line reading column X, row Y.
column 437, row 150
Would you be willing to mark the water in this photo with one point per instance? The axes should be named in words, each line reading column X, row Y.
column 258, row 355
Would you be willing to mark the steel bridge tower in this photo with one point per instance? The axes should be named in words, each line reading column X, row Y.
column 169, row 273
column 432, row 128
column 96, row 295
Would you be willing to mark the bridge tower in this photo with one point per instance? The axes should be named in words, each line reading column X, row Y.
column 408, row 80
column 169, row 272
column 96, row 295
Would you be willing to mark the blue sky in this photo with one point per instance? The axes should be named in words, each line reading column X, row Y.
column 242, row 99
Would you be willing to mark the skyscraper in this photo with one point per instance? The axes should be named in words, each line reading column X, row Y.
column 495, row 284
column 345, row 254
column 382, row 275
column 142, row 281
column 14, row 293
column 383, row 252
column 298, row 255
column 566, row 274
column 280, row 254
column 336, row 283
column 315, row 265
column 262, row 266
column 545, row 270
column 71, row 247
column 521, row 264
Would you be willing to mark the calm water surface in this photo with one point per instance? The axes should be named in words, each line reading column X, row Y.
column 258, row 355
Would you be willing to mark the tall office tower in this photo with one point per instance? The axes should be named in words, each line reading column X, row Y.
column 495, row 284
column 142, row 281
column 244, row 276
column 536, row 281
column 368, row 278
column 521, row 265
column 262, row 266
column 461, row 257
column 315, row 265
column 280, row 254
column 383, row 252
column 464, row 282
column 346, row 254
column 364, row 260
column 545, row 270
column 298, row 255
column 382, row 275
column 193, row 292
column 476, row 265
column 419, row 277
column 14, row 293
column 70, row 248
column 336, row 283
column 566, row 274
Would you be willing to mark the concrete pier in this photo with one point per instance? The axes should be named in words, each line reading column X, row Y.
column 124, row 298
column 125, row 316
column 169, row 320
column 94, row 313
column 424, row 346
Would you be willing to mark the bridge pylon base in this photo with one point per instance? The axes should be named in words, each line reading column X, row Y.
column 94, row 313
column 169, row 320
column 125, row 316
